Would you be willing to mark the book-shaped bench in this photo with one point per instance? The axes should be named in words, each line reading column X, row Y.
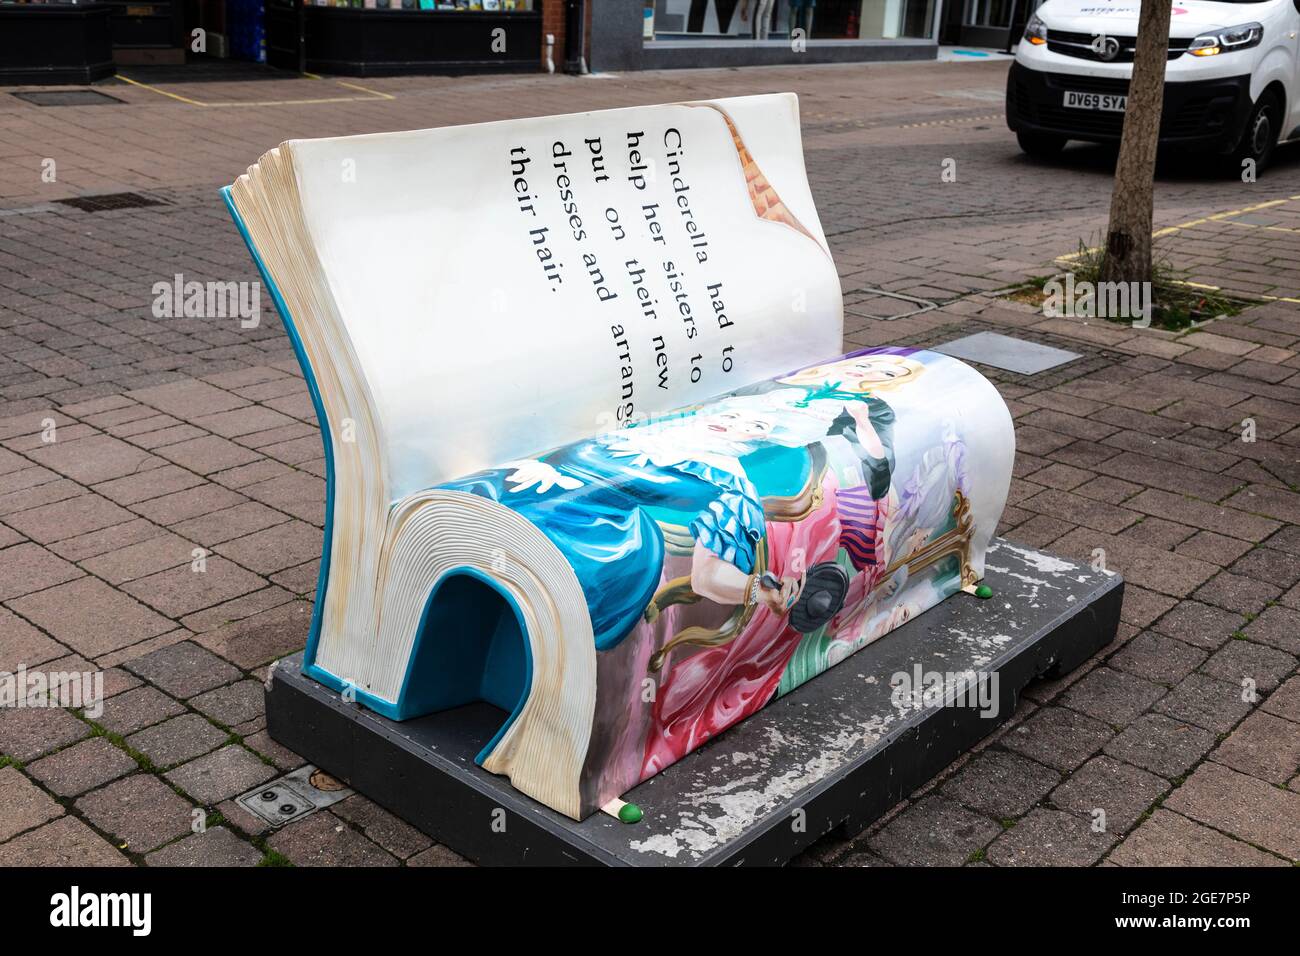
column 594, row 455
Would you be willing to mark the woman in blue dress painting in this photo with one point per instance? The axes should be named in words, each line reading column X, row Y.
column 602, row 502
column 719, row 473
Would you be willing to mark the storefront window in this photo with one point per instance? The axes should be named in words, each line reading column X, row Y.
column 776, row 19
column 989, row 13
column 984, row 22
column 490, row 6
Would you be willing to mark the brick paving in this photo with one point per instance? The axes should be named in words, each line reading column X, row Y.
column 184, row 440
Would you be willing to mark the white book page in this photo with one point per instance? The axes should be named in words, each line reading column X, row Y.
column 504, row 297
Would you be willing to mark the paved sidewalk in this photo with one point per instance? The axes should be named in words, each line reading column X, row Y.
column 184, row 440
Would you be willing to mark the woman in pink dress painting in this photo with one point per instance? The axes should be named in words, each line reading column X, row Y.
column 839, row 413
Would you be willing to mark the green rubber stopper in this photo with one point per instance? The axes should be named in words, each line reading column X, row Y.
column 629, row 813
column 983, row 591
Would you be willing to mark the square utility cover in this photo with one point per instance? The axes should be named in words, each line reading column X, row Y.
column 1005, row 352
column 294, row 795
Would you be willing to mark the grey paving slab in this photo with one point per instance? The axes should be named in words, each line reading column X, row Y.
column 1006, row 352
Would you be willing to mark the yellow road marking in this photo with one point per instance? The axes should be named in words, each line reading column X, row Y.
column 1255, row 225
column 1253, row 295
column 365, row 89
column 372, row 95
column 951, row 122
column 146, row 86
column 1170, row 230
column 1216, row 217
column 323, row 99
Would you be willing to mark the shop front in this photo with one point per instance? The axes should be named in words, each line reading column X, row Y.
column 693, row 33
column 348, row 37
column 55, row 43
column 986, row 23
column 391, row 37
column 782, row 19
column 382, row 37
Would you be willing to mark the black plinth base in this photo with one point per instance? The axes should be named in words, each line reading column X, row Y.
column 837, row 752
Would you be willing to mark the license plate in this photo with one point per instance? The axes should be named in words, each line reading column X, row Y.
column 1111, row 102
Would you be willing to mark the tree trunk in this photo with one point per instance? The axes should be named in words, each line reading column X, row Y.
column 1128, row 238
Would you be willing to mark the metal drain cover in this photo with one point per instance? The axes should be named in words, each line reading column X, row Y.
column 107, row 201
column 67, row 98
column 277, row 803
column 887, row 306
column 293, row 796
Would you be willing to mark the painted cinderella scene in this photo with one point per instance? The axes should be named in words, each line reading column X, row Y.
column 734, row 550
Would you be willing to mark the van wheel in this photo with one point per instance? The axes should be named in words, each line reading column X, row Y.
column 1260, row 135
column 1041, row 145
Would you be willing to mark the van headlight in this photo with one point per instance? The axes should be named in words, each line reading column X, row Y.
column 1036, row 31
column 1225, row 41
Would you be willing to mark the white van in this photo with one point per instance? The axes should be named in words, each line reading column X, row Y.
column 1232, row 83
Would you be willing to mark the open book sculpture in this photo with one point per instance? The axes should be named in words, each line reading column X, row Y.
column 592, row 456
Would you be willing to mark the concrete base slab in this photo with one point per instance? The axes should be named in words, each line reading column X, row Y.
column 835, row 753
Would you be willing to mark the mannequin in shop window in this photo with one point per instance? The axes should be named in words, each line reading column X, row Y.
column 801, row 16
column 762, row 16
